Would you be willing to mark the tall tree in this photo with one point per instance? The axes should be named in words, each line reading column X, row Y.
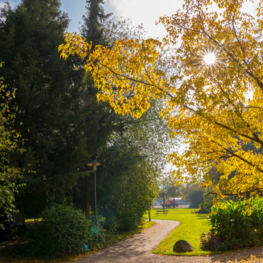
column 47, row 96
column 207, row 101
column 98, row 120
column 93, row 28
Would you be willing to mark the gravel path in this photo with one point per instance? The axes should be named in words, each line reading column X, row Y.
column 138, row 249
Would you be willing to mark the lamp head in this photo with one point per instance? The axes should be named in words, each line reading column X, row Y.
column 94, row 165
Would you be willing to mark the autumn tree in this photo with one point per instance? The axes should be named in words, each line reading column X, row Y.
column 207, row 103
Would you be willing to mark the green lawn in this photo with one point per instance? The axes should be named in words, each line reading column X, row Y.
column 190, row 229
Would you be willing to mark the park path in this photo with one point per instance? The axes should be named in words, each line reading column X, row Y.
column 138, row 247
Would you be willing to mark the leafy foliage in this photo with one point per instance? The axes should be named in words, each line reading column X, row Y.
column 65, row 230
column 196, row 197
column 135, row 197
column 206, row 105
column 211, row 242
column 127, row 186
column 8, row 143
column 238, row 224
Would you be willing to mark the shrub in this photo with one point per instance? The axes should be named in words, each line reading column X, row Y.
column 205, row 208
column 65, row 230
column 238, row 224
column 211, row 242
column 196, row 197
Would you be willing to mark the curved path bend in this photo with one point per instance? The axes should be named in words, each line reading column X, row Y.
column 138, row 248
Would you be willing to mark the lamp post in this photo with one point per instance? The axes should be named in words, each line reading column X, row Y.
column 163, row 201
column 94, row 165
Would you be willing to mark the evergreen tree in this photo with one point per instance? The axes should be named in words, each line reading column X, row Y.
column 47, row 95
column 93, row 27
column 98, row 118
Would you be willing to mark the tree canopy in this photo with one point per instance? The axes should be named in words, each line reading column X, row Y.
column 215, row 108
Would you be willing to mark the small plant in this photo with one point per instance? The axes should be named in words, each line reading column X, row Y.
column 211, row 242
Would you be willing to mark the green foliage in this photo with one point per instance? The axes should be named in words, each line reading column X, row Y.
column 8, row 143
column 134, row 199
column 205, row 208
column 65, row 127
column 127, row 180
column 93, row 29
column 238, row 224
column 65, row 230
column 211, row 242
column 48, row 90
column 207, row 204
column 127, row 187
column 196, row 197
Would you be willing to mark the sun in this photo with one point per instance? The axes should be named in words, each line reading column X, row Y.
column 209, row 58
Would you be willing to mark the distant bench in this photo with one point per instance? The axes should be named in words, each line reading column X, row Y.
column 162, row 212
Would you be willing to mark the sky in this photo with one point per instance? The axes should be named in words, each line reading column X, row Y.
column 144, row 12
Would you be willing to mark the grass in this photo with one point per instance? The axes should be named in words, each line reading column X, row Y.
column 10, row 257
column 33, row 220
column 192, row 225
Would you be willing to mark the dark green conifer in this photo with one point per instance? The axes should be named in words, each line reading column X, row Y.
column 47, row 95
column 93, row 27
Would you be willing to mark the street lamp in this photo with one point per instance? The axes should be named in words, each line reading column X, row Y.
column 94, row 165
column 163, row 201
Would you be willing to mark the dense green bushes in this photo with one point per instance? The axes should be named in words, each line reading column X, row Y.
column 238, row 224
column 65, row 230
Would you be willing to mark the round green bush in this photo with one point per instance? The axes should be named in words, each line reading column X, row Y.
column 65, row 230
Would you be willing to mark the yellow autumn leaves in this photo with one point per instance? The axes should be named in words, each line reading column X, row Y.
column 216, row 110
